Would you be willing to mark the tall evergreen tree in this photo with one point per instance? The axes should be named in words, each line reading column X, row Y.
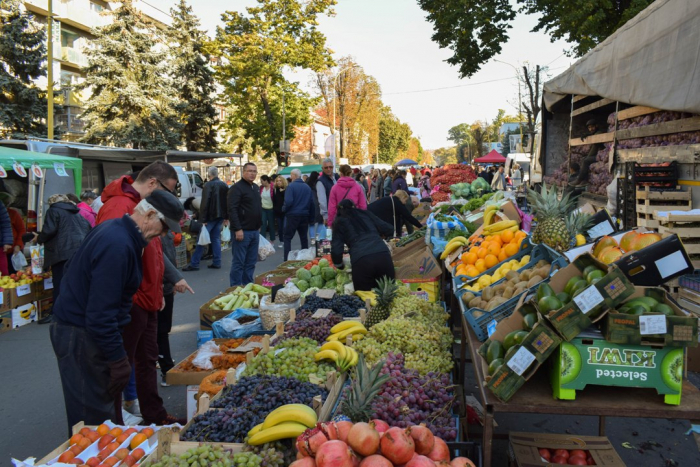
column 193, row 79
column 132, row 102
column 22, row 55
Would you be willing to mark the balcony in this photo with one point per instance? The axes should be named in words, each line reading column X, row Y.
column 68, row 120
column 76, row 14
column 74, row 56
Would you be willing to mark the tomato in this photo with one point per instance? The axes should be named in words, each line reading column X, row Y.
column 559, row 460
column 577, row 452
column 545, row 454
column 561, row 452
column 590, row 461
column 577, row 460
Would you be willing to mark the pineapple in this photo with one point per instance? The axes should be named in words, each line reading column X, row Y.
column 551, row 214
column 578, row 223
column 364, row 388
column 386, row 291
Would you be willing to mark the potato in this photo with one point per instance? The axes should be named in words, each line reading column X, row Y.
column 467, row 297
column 487, row 294
column 508, row 293
column 525, row 275
column 483, row 304
column 512, row 275
column 533, row 281
column 477, row 314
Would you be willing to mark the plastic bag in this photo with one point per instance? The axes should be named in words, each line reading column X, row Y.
column 272, row 313
column 204, row 238
column 288, row 294
column 225, row 328
column 19, row 262
column 206, row 351
column 37, row 254
column 265, row 249
column 309, row 254
column 226, row 234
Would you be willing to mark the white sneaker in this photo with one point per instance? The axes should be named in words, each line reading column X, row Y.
column 129, row 419
column 132, row 407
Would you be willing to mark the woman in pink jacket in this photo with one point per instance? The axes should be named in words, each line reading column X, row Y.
column 345, row 188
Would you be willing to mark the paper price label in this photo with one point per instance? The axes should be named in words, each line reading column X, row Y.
column 3, row 172
column 588, row 299
column 245, row 348
column 491, row 327
column 23, row 290
column 2, row 298
column 321, row 313
column 48, row 283
column 671, row 264
column 655, row 324
column 326, row 294
column 521, row 361
column 604, row 228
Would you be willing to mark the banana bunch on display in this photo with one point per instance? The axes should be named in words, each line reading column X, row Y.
column 343, row 329
column 500, row 227
column 288, row 421
column 344, row 357
column 453, row 244
column 367, row 295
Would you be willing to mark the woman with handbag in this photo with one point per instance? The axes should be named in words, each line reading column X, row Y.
column 392, row 210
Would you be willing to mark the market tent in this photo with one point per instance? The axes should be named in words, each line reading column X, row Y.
column 305, row 169
column 404, row 162
column 8, row 156
column 491, row 158
column 652, row 60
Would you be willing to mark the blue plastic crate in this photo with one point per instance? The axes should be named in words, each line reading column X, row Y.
column 525, row 249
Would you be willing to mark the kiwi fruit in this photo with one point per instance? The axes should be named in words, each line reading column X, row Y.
column 570, row 363
column 672, row 369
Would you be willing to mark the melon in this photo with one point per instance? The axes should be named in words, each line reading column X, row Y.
column 603, row 243
column 644, row 240
column 610, row 255
column 627, row 240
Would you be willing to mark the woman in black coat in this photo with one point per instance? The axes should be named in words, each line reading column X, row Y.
column 362, row 232
column 396, row 215
column 278, row 203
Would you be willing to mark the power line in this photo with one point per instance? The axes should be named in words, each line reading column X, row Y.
column 156, row 8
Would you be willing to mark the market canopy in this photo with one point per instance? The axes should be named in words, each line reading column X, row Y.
column 8, row 156
column 305, row 169
column 652, row 60
column 491, row 158
column 403, row 162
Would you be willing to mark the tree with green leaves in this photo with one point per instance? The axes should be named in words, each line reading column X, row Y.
column 23, row 106
column 443, row 156
column 475, row 30
column 394, row 136
column 193, row 80
column 132, row 101
column 255, row 49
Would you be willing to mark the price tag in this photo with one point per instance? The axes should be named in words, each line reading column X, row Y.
column 19, row 170
column 588, row 299
column 491, row 327
column 23, row 290
column 245, row 348
column 326, row 294
column 671, row 264
column 521, row 361
column 653, row 324
column 36, row 170
column 60, row 169
column 48, row 283
column 604, row 228
column 321, row 313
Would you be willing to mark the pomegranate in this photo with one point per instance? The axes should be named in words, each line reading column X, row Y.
column 376, row 461
column 311, row 440
column 364, row 439
column 423, row 439
column 461, row 462
column 420, row 461
column 330, row 429
column 335, row 453
column 304, row 462
column 343, row 430
column 380, row 425
column 440, row 451
column 397, row 445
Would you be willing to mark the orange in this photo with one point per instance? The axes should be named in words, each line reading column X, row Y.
column 520, row 234
column 502, row 256
column 480, row 265
column 473, row 249
column 102, row 430
column 471, row 258
column 116, row 431
column 490, row 261
column 472, row 271
column 488, row 238
column 148, row 432
column 497, row 240
column 494, row 249
column 511, row 249
column 507, row 236
column 137, row 439
column 480, row 253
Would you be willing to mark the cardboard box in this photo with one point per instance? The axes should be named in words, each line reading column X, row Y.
column 601, row 224
column 591, row 305
column 536, row 347
column 274, row 277
column 4, row 300
column 207, row 315
column 5, row 324
column 603, row 363
column 524, row 448
column 20, row 295
column 402, row 252
column 657, row 263
column 192, row 391
column 23, row 315
column 421, row 265
column 189, row 378
column 680, row 330
column 430, row 288
column 43, row 289
column 422, row 212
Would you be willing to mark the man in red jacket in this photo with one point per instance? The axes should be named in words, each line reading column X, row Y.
column 140, row 335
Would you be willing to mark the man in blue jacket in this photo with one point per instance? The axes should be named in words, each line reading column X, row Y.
column 93, row 307
column 299, row 211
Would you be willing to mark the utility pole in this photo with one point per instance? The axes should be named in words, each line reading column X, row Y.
column 49, row 76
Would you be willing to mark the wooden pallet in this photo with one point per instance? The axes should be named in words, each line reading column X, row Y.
column 650, row 206
column 647, row 220
column 683, row 232
column 676, row 195
column 677, row 220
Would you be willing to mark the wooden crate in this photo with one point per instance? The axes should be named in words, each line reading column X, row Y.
column 673, row 200
column 671, row 195
column 647, row 220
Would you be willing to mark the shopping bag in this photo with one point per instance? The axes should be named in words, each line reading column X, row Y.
column 204, row 238
column 19, row 262
column 226, row 234
column 265, row 249
column 37, row 254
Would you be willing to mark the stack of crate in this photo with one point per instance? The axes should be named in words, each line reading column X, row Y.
column 687, row 227
column 649, row 202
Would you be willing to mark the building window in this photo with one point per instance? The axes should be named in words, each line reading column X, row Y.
column 96, row 7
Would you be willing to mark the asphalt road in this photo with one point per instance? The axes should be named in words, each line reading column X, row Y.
column 33, row 423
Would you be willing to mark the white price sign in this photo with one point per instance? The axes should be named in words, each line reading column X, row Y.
column 604, row 228
column 653, row 324
column 23, row 290
column 521, row 361
column 588, row 299
column 48, row 283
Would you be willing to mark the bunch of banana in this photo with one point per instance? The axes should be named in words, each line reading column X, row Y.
column 343, row 329
column 343, row 356
column 502, row 226
column 490, row 212
column 453, row 244
column 288, row 421
column 367, row 295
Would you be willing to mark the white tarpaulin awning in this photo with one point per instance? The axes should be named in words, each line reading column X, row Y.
column 653, row 60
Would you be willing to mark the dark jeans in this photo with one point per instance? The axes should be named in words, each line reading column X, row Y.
column 409, row 226
column 292, row 225
column 141, row 345
column 84, row 376
column 165, row 324
column 268, row 223
column 245, row 255
column 280, row 227
column 368, row 269
column 57, row 275
column 214, row 229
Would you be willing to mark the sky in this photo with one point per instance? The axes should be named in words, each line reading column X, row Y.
column 391, row 40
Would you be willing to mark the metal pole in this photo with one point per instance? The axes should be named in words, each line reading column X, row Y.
column 284, row 134
column 49, row 77
column 520, row 106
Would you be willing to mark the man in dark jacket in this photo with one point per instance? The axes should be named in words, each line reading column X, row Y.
column 245, row 216
column 94, row 306
column 324, row 186
column 213, row 214
column 299, row 212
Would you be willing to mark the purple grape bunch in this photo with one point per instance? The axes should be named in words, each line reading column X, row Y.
column 345, row 305
column 317, row 329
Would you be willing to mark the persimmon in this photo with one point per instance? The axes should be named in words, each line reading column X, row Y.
column 84, row 431
column 104, row 441
column 111, row 461
column 84, row 443
column 116, row 431
column 112, row 446
column 93, row 462
column 75, row 438
column 121, row 453
column 138, row 453
column 66, row 456
column 128, row 431
column 93, row 436
column 121, row 438
column 76, row 449
column 103, row 429
column 148, row 431
column 137, row 440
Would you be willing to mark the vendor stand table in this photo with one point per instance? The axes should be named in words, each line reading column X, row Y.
column 535, row 397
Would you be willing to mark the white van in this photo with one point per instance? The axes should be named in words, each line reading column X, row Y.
column 190, row 184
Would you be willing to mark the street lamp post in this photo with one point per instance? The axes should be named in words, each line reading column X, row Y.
column 520, row 108
column 335, row 82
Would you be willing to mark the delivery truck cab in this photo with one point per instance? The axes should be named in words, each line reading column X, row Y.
column 190, row 184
